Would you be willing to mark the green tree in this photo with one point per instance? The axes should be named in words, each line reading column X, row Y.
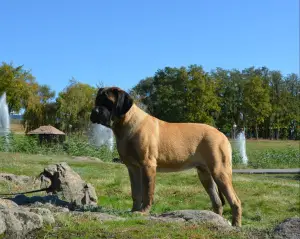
column 39, row 110
column 18, row 84
column 230, row 85
column 256, row 102
column 75, row 103
column 179, row 95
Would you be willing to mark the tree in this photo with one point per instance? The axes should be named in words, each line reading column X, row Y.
column 39, row 110
column 230, row 85
column 256, row 102
column 75, row 103
column 179, row 95
column 16, row 81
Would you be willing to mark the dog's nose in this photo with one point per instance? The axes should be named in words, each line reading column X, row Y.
column 96, row 110
column 94, row 113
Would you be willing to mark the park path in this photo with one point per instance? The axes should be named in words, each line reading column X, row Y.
column 268, row 171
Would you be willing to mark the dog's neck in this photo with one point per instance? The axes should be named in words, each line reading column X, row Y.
column 130, row 122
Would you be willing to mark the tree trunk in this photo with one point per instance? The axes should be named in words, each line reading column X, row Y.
column 256, row 131
column 277, row 133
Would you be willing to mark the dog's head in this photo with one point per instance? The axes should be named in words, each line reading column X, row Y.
column 111, row 103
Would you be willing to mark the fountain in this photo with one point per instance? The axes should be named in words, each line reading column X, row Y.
column 241, row 139
column 102, row 135
column 4, row 116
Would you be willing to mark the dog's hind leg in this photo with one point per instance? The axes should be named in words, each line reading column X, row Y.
column 211, row 188
column 221, row 171
column 224, row 182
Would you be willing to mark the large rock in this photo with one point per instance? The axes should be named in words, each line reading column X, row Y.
column 16, row 223
column 288, row 229
column 195, row 216
column 69, row 183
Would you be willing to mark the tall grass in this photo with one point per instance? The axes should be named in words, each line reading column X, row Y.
column 73, row 146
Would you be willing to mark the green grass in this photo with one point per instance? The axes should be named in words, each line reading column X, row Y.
column 266, row 200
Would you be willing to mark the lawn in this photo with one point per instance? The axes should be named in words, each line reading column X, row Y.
column 266, row 200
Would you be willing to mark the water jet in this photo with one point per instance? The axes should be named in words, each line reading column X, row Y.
column 4, row 116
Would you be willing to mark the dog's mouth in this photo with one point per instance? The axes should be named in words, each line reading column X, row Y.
column 100, row 115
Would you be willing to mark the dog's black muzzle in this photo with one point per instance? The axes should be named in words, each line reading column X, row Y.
column 100, row 115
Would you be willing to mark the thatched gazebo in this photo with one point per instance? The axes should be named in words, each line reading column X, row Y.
column 48, row 134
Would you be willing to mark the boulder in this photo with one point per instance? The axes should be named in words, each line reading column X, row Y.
column 16, row 223
column 288, row 229
column 196, row 217
column 69, row 183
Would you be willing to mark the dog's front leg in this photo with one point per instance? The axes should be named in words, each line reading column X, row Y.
column 135, row 176
column 148, row 177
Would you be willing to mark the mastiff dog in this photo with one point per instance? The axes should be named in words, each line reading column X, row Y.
column 148, row 145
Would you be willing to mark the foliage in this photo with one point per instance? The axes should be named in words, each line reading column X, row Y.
column 74, row 106
column 40, row 110
column 18, row 84
column 256, row 102
column 179, row 95
column 263, row 102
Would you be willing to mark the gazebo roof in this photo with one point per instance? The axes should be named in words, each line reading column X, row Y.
column 47, row 129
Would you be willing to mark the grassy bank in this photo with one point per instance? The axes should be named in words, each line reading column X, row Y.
column 261, row 153
column 266, row 200
column 74, row 145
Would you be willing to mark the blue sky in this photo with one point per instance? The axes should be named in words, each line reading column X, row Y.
column 121, row 42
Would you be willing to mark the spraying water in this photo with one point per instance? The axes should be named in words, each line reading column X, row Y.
column 241, row 139
column 102, row 135
column 4, row 116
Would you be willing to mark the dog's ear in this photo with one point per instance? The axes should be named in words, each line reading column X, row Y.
column 123, row 102
column 100, row 90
